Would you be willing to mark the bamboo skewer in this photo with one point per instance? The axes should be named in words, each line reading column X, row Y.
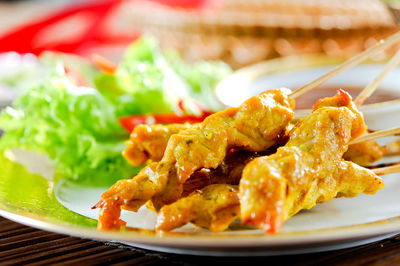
column 380, row 46
column 377, row 134
column 387, row 170
column 367, row 91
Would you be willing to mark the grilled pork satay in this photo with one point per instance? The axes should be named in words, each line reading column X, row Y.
column 149, row 142
column 365, row 153
column 259, row 123
column 215, row 207
column 119, row 195
column 348, row 180
column 229, row 172
column 343, row 99
column 271, row 184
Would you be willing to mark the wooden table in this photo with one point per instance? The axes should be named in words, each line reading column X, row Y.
column 22, row 245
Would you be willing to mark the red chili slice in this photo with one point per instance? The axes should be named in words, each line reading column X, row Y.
column 104, row 64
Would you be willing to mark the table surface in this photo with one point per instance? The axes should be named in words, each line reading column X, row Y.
column 22, row 245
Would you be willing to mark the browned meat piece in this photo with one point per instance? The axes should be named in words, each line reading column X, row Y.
column 125, row 193
column 365, row 153
column 229, row 172
column 259, row 123
column 343, row 99
column 275, row 187
column 214, row 207
column 149, row 142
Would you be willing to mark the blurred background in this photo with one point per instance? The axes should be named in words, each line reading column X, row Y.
column 239, row 32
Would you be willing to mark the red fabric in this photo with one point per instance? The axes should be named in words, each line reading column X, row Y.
column 89, row 32
column 195, row 4
column 92, row 14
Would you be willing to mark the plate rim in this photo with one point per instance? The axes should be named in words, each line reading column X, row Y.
column 248, row 74
column 178, row 240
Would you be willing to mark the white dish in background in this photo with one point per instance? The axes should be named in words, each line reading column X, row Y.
column 294, row 72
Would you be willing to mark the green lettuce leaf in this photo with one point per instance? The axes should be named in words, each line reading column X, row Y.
column 141, row 77
column 202, row 77
column 157, row 83
column 76, row 127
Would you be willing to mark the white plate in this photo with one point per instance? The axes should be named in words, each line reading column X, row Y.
column 339, row 223
column 336, row 224
column 320, row 222
column 293, row 72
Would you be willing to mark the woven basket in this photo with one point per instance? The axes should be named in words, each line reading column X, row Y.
column 243, row 32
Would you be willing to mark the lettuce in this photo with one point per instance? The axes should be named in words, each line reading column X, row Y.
column 18, row 72
column 202, row 77
column 140, row 76
column 75, row 126
column 157, row 83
